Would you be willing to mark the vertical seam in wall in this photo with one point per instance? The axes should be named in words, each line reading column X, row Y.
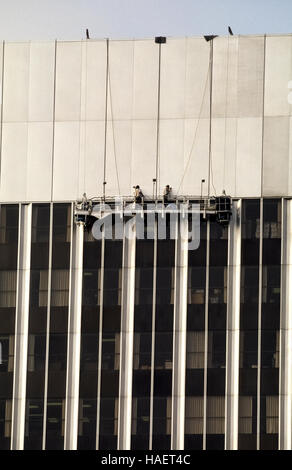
column 263, row 118
column 27, row 122
column 53, row 122
column 48, row 327
column 1, row 110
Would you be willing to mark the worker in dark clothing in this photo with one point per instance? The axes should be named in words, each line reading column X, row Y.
column 166, row 194
column 138, row 195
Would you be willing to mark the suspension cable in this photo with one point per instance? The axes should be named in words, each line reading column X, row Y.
column 226, row 108
column 113, row 131
column 210, row 175
column 196, row 130
column 105, row 119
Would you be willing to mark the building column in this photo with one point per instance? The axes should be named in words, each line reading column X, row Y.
column 127, row 336
column 233, row 329
column 100, row 328
column 48, row 329
column 21, row 327
column 153, row 335
column 179, row 336
column 74, row 339
column 285, row 379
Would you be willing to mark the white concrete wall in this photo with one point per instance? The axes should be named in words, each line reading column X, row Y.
column 53, row 111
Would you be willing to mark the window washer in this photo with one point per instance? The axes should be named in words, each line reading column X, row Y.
column 166, row 193
column 138, row 195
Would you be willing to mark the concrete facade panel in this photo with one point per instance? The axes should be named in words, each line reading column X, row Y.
column 16, row 81
column 276, row 154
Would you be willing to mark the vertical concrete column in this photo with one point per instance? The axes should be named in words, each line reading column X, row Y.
column 259, row 369
column 233, row 329
column 206, row 335
column 285, row 393
column 48, row 329
column 179, row 336
column 127, row 337
column 153, row 336
column 99, row 363
column 74, row 339
column 21, row 327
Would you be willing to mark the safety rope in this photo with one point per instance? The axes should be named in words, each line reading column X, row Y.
column 226, row 107
column 113, row 131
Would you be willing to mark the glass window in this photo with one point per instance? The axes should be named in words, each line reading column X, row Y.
column 215, row 415
column 5, row 423
column 34, row 424
column 7, row 353
column 194, row 412
column 55, row 424
column 36, row 352
column 8, row 289
column 195, row 349
column 87, row 424
column 108, row 422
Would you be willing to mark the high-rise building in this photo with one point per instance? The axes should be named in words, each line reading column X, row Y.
column 123, row 342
